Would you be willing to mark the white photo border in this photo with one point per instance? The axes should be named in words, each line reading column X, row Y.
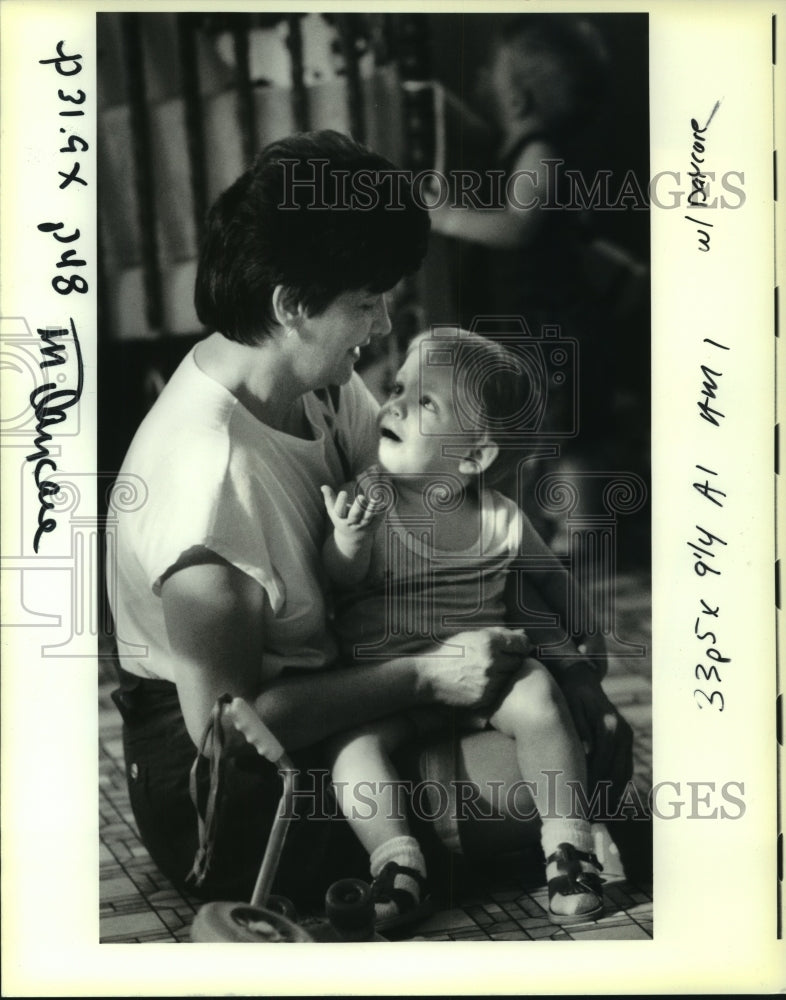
column 715, row 885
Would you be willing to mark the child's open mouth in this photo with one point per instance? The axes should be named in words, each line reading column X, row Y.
column 386, row 432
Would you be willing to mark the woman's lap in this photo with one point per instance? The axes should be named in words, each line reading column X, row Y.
column 320, row 846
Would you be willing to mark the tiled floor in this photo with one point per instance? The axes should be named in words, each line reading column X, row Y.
column 138, row 904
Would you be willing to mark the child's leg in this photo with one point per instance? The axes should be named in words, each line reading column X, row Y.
column 550, row 755
column 361, row 767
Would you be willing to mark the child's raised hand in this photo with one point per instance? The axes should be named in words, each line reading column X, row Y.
column 355, row 519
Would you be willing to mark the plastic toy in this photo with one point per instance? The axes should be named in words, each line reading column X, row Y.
column 272, row 919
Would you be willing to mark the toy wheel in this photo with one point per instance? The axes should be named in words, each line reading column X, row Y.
column 283, row 906
column 241, row 923
column 350, row 909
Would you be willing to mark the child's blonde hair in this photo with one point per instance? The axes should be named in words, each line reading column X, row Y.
column 491, row 388
column 556, row 68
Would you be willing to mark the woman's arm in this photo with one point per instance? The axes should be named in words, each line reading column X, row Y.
column 214, row 620
column 518, row 222
column 213, row 616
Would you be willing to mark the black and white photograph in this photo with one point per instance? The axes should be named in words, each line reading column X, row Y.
column 527, row 322
column 388, row 490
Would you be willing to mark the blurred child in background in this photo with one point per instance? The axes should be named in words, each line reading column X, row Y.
column 547, row 86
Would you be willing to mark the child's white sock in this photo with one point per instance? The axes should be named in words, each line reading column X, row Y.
column 566, row 831
column 404, row 851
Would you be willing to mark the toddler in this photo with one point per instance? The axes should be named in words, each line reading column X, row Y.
column 420, row 550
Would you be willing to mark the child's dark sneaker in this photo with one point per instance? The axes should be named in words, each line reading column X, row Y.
column 575, row 887
column 400, row 897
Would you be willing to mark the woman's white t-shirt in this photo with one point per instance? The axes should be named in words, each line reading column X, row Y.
column 211, row 475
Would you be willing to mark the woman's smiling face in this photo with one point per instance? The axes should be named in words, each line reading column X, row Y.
column 332, row 340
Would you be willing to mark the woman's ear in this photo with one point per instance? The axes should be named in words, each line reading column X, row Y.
column 478, row 458
column 285, row 309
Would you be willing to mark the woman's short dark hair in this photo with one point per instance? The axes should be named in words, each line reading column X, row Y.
column 317, row 213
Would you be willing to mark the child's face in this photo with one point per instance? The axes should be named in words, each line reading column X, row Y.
column 529, row 81
column 418, row 423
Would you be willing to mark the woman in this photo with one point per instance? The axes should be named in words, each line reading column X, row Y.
column 219, row 571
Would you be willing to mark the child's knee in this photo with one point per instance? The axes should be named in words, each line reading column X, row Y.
column 347, row 745
column 533, row 699
column 365, row 742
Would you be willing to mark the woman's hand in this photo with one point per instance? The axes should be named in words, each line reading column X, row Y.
column 478, row 669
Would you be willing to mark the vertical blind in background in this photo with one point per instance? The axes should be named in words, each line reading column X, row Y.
column 187, row 100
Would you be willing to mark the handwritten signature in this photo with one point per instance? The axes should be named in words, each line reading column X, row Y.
column 50, row 405
column 700, row 180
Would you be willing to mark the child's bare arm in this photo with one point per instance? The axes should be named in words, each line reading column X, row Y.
column 518, row 222
column 346, row 554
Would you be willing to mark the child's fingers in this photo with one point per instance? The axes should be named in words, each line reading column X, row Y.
column 340, row 505
column 372, row 510
column 336, row 504
column 359, row 513
column 364, row 510
column 357, row 510
column 328, row 496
